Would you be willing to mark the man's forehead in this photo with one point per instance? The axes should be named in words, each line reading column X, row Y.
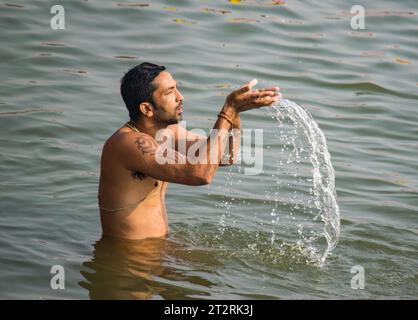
column 164, row 80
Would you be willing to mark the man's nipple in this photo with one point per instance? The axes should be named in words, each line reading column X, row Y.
column 156, row 183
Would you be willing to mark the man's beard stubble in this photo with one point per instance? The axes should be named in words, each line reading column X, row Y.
column 173, row 120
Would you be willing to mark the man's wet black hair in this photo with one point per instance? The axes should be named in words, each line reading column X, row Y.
column 136, row 86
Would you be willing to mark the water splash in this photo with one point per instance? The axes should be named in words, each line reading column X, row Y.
column 297, row 210
column 325, row 198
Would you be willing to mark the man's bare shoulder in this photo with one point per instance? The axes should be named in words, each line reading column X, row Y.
column 125, row 140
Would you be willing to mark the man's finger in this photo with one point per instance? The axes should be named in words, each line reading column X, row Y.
column 248, row 86
column 243, row 89
column 258, row 94
column 266, row 101
column 252, row 83
column 269, row 89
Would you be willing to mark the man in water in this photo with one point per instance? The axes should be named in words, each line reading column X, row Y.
column 133, row 181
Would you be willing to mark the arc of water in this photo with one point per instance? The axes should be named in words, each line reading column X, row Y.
column 325, row 197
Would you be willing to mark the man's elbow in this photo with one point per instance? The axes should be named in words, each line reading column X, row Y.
column 204, row 177
column 204, row 180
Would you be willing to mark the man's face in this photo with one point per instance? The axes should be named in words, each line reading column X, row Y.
column 168, row 101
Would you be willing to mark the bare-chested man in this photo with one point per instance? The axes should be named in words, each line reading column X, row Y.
column 132, row 180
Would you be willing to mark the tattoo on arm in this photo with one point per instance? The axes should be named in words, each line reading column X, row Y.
column 146, row 145
column 149, row 147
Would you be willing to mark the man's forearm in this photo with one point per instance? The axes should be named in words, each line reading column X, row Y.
column 217, row 140
column 234, row 143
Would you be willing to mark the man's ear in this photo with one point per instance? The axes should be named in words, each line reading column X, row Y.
column 146, row 109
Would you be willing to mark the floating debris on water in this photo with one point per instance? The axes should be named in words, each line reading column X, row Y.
column 133, row 5
column 125, row 57
column 183, row 21
column 77, row 72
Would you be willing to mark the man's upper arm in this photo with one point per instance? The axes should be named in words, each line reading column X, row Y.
column 181, row 134
column 139, row 152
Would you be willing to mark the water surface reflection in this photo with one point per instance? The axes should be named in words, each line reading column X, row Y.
column 144, row 269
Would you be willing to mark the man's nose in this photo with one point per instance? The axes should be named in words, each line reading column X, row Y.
column 179, row 96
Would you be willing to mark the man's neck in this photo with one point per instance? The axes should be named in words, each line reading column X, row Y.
column 150, row 129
